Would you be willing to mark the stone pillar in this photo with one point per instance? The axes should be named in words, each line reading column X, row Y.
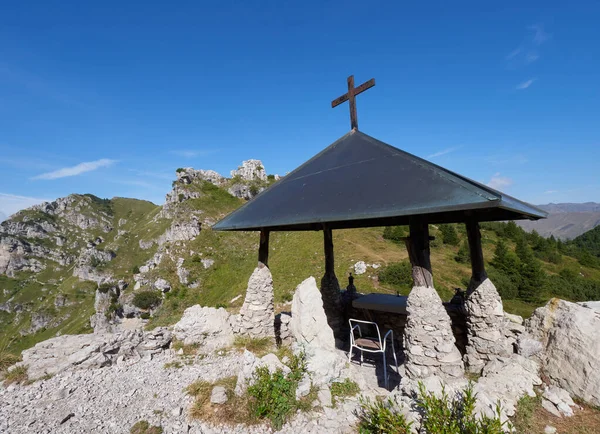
column 330, row 288
column 257, row 315
column 485, row 314
column 428, row 339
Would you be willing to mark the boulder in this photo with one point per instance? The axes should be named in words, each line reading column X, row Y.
column 569, row 335
column 93, row 350
column 308, row 324
column 207, row 326
column 218, row 395
column 313, row 336
column 360, row 268
column 162, row 285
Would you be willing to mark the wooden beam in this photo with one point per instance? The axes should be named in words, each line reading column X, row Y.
column 478, row 273
column 263, row 248
column 328, row 249
column 418, row 252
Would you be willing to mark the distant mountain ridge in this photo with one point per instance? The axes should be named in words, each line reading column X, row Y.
column 565, row 220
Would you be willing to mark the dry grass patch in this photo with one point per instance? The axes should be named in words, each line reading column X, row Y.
column 234, row 411
column 16, row 375
column 259, row 346
column 531, row 418
column 143, row 427
column 187, row 350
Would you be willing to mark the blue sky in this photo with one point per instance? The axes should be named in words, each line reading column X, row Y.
column 111, row 98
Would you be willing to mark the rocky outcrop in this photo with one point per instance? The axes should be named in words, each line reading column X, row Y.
column 313, row 335
column 485, row 327
column 250, row 170
column 257, row 315
column 206, row 326
column 93, row 350
column 186, row 230
column 569, row 335
column 428, row 340
column 308, row 324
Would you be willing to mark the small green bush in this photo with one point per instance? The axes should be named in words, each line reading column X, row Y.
column 381, row 417
column 398, row 274
column 135, row 269
column 145, row 315
column 104, row 288
column 463, row 256
column 146, row 299
column 455, row 416
column 440, row 415
column 273, row 395
column 394, row 233
column 343, row 389
column 449, row 235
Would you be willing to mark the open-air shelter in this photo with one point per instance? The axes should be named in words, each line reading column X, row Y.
column 359, row 181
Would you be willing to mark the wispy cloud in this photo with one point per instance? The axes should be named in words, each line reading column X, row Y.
column 498, row 182
column 192, row 153
column 11, row 203
column 551, row 192
column 443, row 152
column 525, row 84
column 76, row 170
column 529, row 50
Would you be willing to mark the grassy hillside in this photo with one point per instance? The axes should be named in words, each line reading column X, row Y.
column 526, row 268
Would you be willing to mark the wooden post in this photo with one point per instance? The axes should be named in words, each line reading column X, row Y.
column 417, row 245
column 263, row 248
column 478, row 273
column 328, row 249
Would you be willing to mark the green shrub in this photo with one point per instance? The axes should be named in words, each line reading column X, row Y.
column 343, row 389
column 463, row 256
column 145, row 315
column 146, row 299
column 223, row 305
column 180, row 169
column 104, row 288
column 455, row 416
column 273, row 395
column 398, row 274
column 381, row 418
column 449, row 235
column 443, row 415
column 135, row 269
column 394, row 233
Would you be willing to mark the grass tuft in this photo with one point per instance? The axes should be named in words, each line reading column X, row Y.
column 143, row 427
column 16, row 375
column 258, row 346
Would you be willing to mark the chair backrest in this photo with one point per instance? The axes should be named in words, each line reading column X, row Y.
column 357, row 322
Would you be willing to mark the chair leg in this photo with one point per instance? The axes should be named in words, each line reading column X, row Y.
column 361, row 357
column 395, row 358
column 385, row 378
column 350, row 354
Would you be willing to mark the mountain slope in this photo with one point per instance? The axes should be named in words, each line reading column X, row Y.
column 565, row 220
column 126, row 259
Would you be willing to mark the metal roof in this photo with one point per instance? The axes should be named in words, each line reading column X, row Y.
column 359, row 181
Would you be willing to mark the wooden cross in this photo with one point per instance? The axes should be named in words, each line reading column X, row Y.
column 351, row 96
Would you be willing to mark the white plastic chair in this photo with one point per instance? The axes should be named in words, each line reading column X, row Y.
column 371, row 344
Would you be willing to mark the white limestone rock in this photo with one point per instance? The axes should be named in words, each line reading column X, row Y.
column 218, row 395
column 569, row 334
column 360, row 268
column 250, row 170
column 207, row 326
